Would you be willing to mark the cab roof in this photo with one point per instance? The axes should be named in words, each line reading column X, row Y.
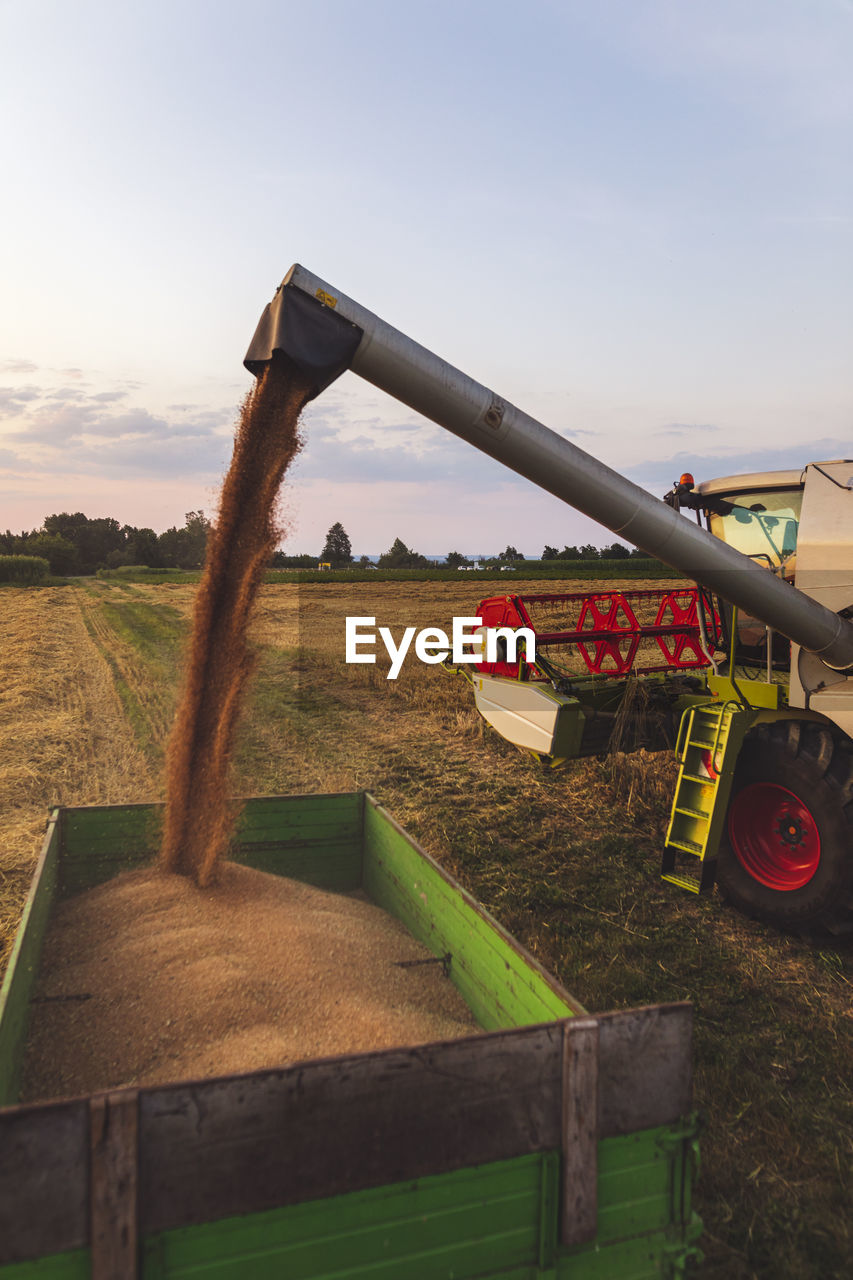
column 753, row 480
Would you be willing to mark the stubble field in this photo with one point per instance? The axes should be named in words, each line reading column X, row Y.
column 567, row 861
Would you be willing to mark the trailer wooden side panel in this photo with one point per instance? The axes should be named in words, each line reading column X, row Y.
column 494, row 1220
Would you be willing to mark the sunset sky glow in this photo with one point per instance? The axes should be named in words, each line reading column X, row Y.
column 632, row 219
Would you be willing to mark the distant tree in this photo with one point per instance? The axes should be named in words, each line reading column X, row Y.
column 185, row 548
column 637, row 554
column 454, row 559
column 279, row 560
column 60, row 554
column 570, row 553
column 93, row 538
column 616, row 551
column 399, row 556
column 550, row 553
column 510, row 553
column 364, row 561
column 589, row 552
column 171, row 543
column 338, row 548
column 142, row 547
column 197, row 528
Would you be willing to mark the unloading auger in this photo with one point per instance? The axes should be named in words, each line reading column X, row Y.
column 764, row 800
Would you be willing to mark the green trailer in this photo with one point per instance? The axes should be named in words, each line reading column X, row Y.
column 551, row 1144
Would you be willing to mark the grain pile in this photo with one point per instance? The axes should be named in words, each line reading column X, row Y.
column 147, row 979
column 199, row 817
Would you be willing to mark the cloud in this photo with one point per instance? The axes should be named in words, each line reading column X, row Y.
column 658, row 473
column 15, row 399
column 389, row 444
column 107, row 397
column 67, row 430
column 10, row 461
column 698, row 429
column 17, row 366
column 366, row 450
column 66, row 393
column 53, row 422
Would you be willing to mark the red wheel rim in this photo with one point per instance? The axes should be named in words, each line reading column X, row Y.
column 774, row 836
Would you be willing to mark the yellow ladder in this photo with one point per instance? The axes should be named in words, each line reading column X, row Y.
column 709, row 739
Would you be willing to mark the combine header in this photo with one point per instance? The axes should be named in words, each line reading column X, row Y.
column 753, row 669
column 564, row 701
column 615, row 633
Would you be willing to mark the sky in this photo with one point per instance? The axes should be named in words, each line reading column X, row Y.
column 633, row 219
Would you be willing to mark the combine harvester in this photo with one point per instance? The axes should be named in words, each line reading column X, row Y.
column 764, row 800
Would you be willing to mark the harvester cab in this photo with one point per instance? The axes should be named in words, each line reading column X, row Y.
column 752, row 664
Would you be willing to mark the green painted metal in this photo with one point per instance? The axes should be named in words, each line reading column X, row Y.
column 568, row 734
column 501, row 985
column 756, row 693
column 319, row 838
column 73, row 1265
column 22, row 969
column 333, row 866
column 311, row 831
column 284, row 818
column 499, row 1220
column 709, row 739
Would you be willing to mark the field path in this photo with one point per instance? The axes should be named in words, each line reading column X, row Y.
column 64, row 736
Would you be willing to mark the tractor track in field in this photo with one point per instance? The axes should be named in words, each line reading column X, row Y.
column 140, row 642
column 64, row 736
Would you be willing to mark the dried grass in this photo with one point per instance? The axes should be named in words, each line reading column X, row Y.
column 63, row 735
column 145, row 686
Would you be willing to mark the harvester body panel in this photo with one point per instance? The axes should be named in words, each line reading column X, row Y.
column 532, row 715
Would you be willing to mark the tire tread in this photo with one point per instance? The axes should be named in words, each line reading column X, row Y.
column 826, row 758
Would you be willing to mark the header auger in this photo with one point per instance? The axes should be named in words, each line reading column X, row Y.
column 754, row 665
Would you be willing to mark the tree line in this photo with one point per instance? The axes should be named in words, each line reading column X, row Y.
column 78, row 544
column 337, row 553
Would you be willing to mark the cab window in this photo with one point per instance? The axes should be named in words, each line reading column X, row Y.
column 762, row 525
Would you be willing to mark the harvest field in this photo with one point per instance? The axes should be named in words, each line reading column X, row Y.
column 567, row 861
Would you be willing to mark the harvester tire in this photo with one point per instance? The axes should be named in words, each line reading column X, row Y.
column 786, row 855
